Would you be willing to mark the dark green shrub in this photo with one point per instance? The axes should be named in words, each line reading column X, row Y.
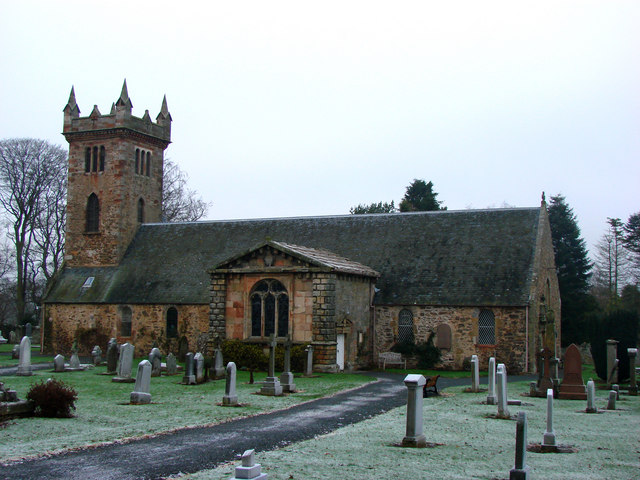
column 426, row 353
column 620, row 325
column 53, row 398
column 247, row 355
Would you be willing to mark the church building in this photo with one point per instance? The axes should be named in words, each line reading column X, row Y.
column 480, row 281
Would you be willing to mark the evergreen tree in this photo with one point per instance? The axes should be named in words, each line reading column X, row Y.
column 632, row 243
column 380, row 207
column 573, row 269
column 420, row 197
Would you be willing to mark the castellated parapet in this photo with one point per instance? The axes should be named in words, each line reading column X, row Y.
column 116, row 166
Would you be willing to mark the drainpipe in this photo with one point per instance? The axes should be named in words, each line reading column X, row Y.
column 526, row 339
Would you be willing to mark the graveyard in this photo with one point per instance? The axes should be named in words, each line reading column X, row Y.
column 466, row 431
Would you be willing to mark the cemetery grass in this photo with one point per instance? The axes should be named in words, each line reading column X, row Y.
column 7, row 361
column 469, row 444
column 103, row 413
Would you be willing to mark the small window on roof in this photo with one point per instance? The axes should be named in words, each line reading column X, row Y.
column 88, row 282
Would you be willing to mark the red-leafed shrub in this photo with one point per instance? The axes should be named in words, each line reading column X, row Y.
column 53, row 398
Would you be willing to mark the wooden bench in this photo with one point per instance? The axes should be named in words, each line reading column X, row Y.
column 390, row 358
column 432, row 383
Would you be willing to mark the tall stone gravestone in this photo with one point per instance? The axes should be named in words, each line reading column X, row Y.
column 633, row 387
column 286, row 379
column 172, row 366
column 218, row 365
column 230, row 397
column 28, row 330
column 591, row 397
column 112, row 356
column 155, row 359
column 141, row 391
column 58, row 363
column 249, row 469
column 501, row 380
column 520, row 471
column 96, row 355
column 74, row 361
column 611, row 403
column 125, row 364
column 198, row 363
column 544, row 375
column 475, row 374
column 572, row 386
column 308, row 364
column 414, row 436
column 549, row 438
column 612, row 361
column 24, row 365
column 189, row 377
column 271, row 385
column 492, row 398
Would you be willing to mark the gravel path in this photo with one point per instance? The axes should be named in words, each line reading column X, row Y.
column 191, row 450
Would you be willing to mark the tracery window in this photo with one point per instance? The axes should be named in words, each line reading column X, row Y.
column 486, row 328
column 92, row 214
column 405, row 326
column 172, row 322
column 269, row 309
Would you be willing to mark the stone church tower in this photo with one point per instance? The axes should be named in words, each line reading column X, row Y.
column 115, row 178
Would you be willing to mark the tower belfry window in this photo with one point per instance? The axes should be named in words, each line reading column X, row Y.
column 94, row 159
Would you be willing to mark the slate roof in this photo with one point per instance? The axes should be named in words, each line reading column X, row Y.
column 466, row 257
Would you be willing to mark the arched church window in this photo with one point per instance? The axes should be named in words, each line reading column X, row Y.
column 148, row 173
column 269, row 309
column 172, row 322
column 93, row 214
column 486, row 328
column 125, row 322
column 140, row 211
column 405, row 326
column 87, row 159
column 103, row 155
column 94, row 160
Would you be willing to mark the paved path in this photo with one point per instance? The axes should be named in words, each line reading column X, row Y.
column 191, row 450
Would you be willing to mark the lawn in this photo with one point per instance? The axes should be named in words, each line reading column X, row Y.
column 7, row 361
column 470, row 445
column 104, row 415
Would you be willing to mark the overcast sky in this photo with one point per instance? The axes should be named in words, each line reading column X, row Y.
column 298, row 109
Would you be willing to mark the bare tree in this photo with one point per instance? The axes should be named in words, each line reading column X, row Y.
column 611, row 263
column 179, row 204
column 29, row 170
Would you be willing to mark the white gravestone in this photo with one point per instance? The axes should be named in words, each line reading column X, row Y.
column 492, row 399
column 611, row 403
column 58, row 363
column 198, row 362
column 475, row 374
column 414, row 436
column 155, row 359
column 501, row 374
column 308, row 366
column 591, row 397
column 24, row 365
column 230, row 397
column 140, row 394
column 125, row 364
column 549, row 438
column 249, row 468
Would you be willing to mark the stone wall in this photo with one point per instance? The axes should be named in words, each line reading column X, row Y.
column 148, row 324
column 510, row 347
column 324, row 321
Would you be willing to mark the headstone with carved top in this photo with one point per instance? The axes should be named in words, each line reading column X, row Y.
column 572, row 386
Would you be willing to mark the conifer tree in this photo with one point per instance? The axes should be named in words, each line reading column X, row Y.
column 420, row 197
column 573, row 269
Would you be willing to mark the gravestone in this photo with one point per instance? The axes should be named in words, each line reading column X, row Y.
column 492, row 399
column 501, row 380
column 125, row 364
column 545, row 381
column 13, row 337
column 475, row 374
column 591, row 397
column 572, row 386
column 443, row 336
column 15, row 352
column 633, row 387
column 308, row 364
column 286, row 379
column 112, row 356
column 189, row 377
column 616, row 388
column 613, row 396
column 3, row 340
column 271, row 385
column 549, row 438
column 183, row 348
column 24, row 365
column 249, row 469
column 140, row 394
column 74, row 362
column 28, row 330
column 198, row 364
column 172, row 366
column 96, row 355
column 155, row 359
column 218, row 366
column 612, row 361
column 58, row 363
column 520, row 471
column 230, row 397
column 414, row 436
